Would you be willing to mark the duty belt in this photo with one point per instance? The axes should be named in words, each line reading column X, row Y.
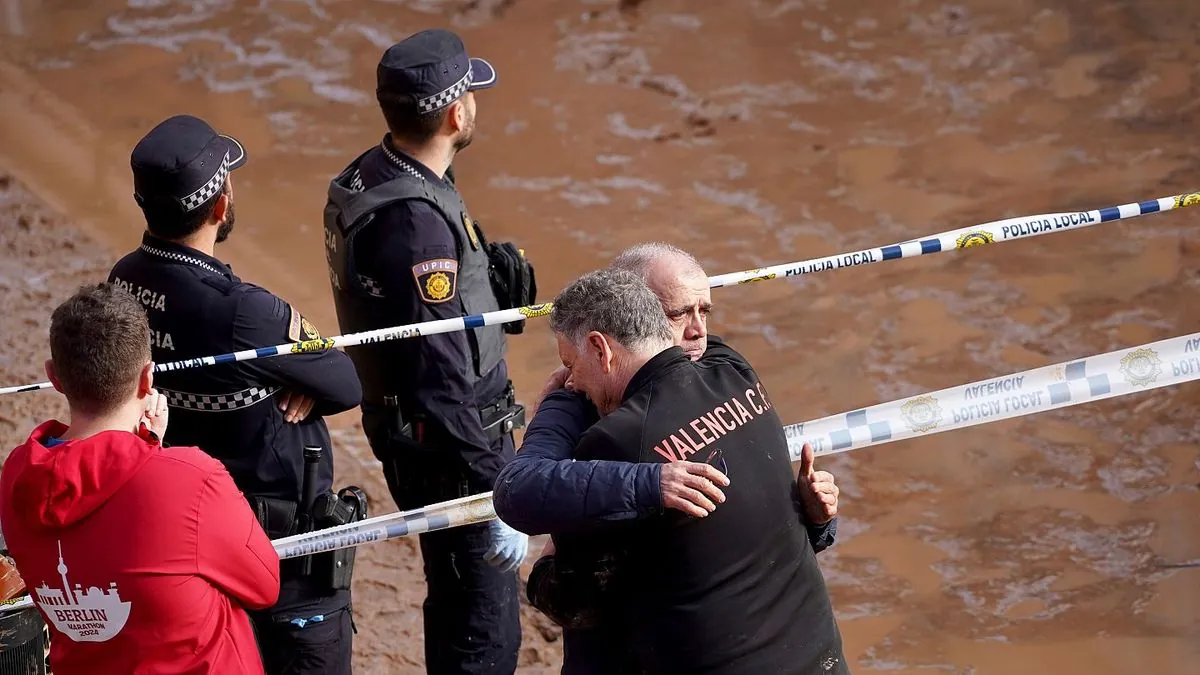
column 503, row 415
column 499, row 418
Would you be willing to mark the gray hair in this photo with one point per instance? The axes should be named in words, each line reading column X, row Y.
column 638, row 258
column 617, row 303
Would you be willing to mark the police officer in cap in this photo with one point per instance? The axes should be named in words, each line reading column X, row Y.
column 255, row 416
column 438, row 410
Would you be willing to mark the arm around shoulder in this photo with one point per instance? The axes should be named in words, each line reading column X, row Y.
column 233, row 552
column 544, row 489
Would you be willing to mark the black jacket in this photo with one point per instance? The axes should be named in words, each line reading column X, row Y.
column 197, row 307
column 434, row 372
column 740, row 590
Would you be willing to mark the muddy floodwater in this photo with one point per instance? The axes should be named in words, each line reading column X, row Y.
column 749, row 132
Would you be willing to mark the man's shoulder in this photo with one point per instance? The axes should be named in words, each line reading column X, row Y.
column 415, row 212
column 720, row 356
column 615, row 432
column 188, row 460
column 131, row 260
column 256, row 304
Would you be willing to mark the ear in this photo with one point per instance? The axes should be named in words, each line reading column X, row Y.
column 218, row 214
column 600, row 349
column 456, row 117
column 146, row 380
column 50, row 375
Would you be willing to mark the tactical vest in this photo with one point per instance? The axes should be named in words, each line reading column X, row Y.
column 359, row 303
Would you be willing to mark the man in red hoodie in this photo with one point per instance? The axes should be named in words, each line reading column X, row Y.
column 142, row 559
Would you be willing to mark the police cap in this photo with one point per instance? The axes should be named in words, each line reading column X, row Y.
column 432, row 67
column 181, row 164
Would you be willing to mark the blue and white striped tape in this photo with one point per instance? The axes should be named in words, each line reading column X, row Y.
column 967, row 237
column 454, row 513
column 1095, row 378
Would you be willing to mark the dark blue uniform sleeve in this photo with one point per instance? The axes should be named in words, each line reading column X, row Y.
column 543, row 490
column 403, row 237
column 820, row 536
column 328, row 377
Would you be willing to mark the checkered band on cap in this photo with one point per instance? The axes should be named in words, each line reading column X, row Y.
column 218, row 402
column 446, row 96
column 206, row 191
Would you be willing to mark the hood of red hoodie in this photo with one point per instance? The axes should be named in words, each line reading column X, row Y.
column 59, row 486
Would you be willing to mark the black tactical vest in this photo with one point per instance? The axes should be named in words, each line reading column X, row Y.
column 359, row 302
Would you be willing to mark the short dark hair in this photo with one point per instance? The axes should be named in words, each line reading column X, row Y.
column 166, row 222
column 406, row 121
column 99, row 341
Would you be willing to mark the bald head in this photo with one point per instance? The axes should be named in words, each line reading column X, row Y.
column 677, row 278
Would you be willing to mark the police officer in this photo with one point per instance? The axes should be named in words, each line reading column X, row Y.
column 438, row 410
column 255, row 416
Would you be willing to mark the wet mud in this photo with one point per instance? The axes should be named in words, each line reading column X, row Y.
column 750, row 133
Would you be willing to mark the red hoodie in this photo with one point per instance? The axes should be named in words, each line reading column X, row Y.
column 141, row 557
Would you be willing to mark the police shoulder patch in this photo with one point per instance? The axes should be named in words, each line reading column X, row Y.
column 294, row 320
column 437, row 279
column 300, row 328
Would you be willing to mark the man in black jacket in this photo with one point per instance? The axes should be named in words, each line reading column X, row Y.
column 735, row 591
column 439, row 411
column 255, row 416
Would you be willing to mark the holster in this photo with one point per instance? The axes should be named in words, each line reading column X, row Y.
column 514, row 282
column 330, row 510
column 278, row 517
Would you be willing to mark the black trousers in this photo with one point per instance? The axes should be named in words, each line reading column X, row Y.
column 320, row 643
column 471, row 609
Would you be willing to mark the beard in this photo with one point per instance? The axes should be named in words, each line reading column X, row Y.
column 465, row 136
column 226, row 227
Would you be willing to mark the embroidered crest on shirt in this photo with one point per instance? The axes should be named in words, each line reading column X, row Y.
column 300, row 328
column 436, row 279
column 84, row 616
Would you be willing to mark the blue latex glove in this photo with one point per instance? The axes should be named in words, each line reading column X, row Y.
column 508, row 547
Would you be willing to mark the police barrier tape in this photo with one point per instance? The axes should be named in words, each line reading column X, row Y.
column 456, row 512
column 966, row 237
column 1095, row 378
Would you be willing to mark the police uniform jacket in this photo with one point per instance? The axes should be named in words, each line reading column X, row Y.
column 409, row 262
column 198, row 307
column 738, row 591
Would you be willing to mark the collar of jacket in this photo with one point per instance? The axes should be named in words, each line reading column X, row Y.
column 405, row 162
column 186, row 255
column 663, row 360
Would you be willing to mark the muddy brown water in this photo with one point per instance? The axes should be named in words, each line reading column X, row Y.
column 749, row 132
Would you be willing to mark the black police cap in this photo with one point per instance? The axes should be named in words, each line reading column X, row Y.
column 433, row 68
column 181, row 164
